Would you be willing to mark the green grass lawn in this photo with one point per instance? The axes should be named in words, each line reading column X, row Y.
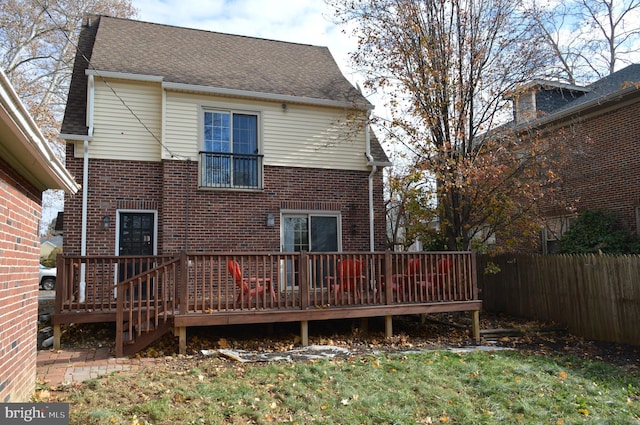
column 502, row 387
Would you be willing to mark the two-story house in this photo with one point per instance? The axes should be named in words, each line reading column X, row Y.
column 605, row 117
column 226, row 180
column 190, row 140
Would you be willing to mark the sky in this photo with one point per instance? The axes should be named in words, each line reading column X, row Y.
column 298, row 21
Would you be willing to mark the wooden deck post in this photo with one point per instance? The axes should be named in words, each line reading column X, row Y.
column 304, row 282
column 304, row 333
column 364, row 325
column 475, row 318
column 183, row 282
column 181, row 332
column 388, row 291
column 388, row 326
column 56, row 336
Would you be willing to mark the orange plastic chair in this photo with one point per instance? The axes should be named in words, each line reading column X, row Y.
column 245, row 284
column 349, row 278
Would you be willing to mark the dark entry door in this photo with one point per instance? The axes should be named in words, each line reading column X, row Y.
column 136, row 233
column 136, row 237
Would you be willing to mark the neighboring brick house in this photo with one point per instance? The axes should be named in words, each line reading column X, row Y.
column 190, row 140
column 27, row 167
column 605, row 174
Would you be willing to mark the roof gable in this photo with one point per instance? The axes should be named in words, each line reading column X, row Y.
column 204, row 58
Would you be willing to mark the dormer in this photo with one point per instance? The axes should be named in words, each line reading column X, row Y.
column 542, row 97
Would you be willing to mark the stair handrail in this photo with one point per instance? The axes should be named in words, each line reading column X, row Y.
column 144, row 300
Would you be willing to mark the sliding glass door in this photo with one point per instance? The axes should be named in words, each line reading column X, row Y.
column 312, row 233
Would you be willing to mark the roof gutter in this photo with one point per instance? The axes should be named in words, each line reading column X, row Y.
column 75, row 137
column 48, row 172
column 167, row 85
column 124, row 76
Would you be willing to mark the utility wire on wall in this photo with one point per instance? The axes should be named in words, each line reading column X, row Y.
column 136, row 116
column 103, row 79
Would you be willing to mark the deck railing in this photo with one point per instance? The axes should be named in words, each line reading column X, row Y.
column 143, row 294
column 204, row 283
column 88, row 284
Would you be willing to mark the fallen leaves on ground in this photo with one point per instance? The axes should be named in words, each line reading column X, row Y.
column 433, row 331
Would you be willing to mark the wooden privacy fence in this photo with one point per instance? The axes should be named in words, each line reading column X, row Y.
column 595, row 296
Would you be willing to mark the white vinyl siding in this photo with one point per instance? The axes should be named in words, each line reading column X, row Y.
column 182, row 126
column 313, row 137
column 118, row 133
column 298, row 136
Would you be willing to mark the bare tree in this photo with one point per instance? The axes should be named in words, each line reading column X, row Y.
column 446, row 66
column 37, row 47
column 588, row 39
column 409, row 207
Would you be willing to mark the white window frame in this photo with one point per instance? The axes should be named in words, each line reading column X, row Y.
column 225, row 109
column 308, row 214
column 550, row 236
column 288, row 281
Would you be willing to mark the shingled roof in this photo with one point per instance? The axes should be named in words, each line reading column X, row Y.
column 598, row 94
column 204, row 58
column 612, row 84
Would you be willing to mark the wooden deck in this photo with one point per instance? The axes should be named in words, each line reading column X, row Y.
column 148, row 296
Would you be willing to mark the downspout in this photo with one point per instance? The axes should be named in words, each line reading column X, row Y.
column 85, row 186
column 374, row 168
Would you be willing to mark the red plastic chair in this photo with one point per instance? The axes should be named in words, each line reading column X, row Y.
column 445, row 266
column 412, row 280
column 260, row 285
column 443, row 269
column 349, row 278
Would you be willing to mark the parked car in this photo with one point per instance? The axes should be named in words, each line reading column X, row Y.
column 47, row 278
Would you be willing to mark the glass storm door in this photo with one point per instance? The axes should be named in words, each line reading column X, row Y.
column 136, row 233
column 310, row 233
column 136, row 236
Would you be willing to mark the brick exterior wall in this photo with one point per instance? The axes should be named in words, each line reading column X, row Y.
column 218, row 220
column 112, row 185
column 606, row 175
column 20, row 212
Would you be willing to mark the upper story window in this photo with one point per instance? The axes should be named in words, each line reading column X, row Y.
column 230, row 157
